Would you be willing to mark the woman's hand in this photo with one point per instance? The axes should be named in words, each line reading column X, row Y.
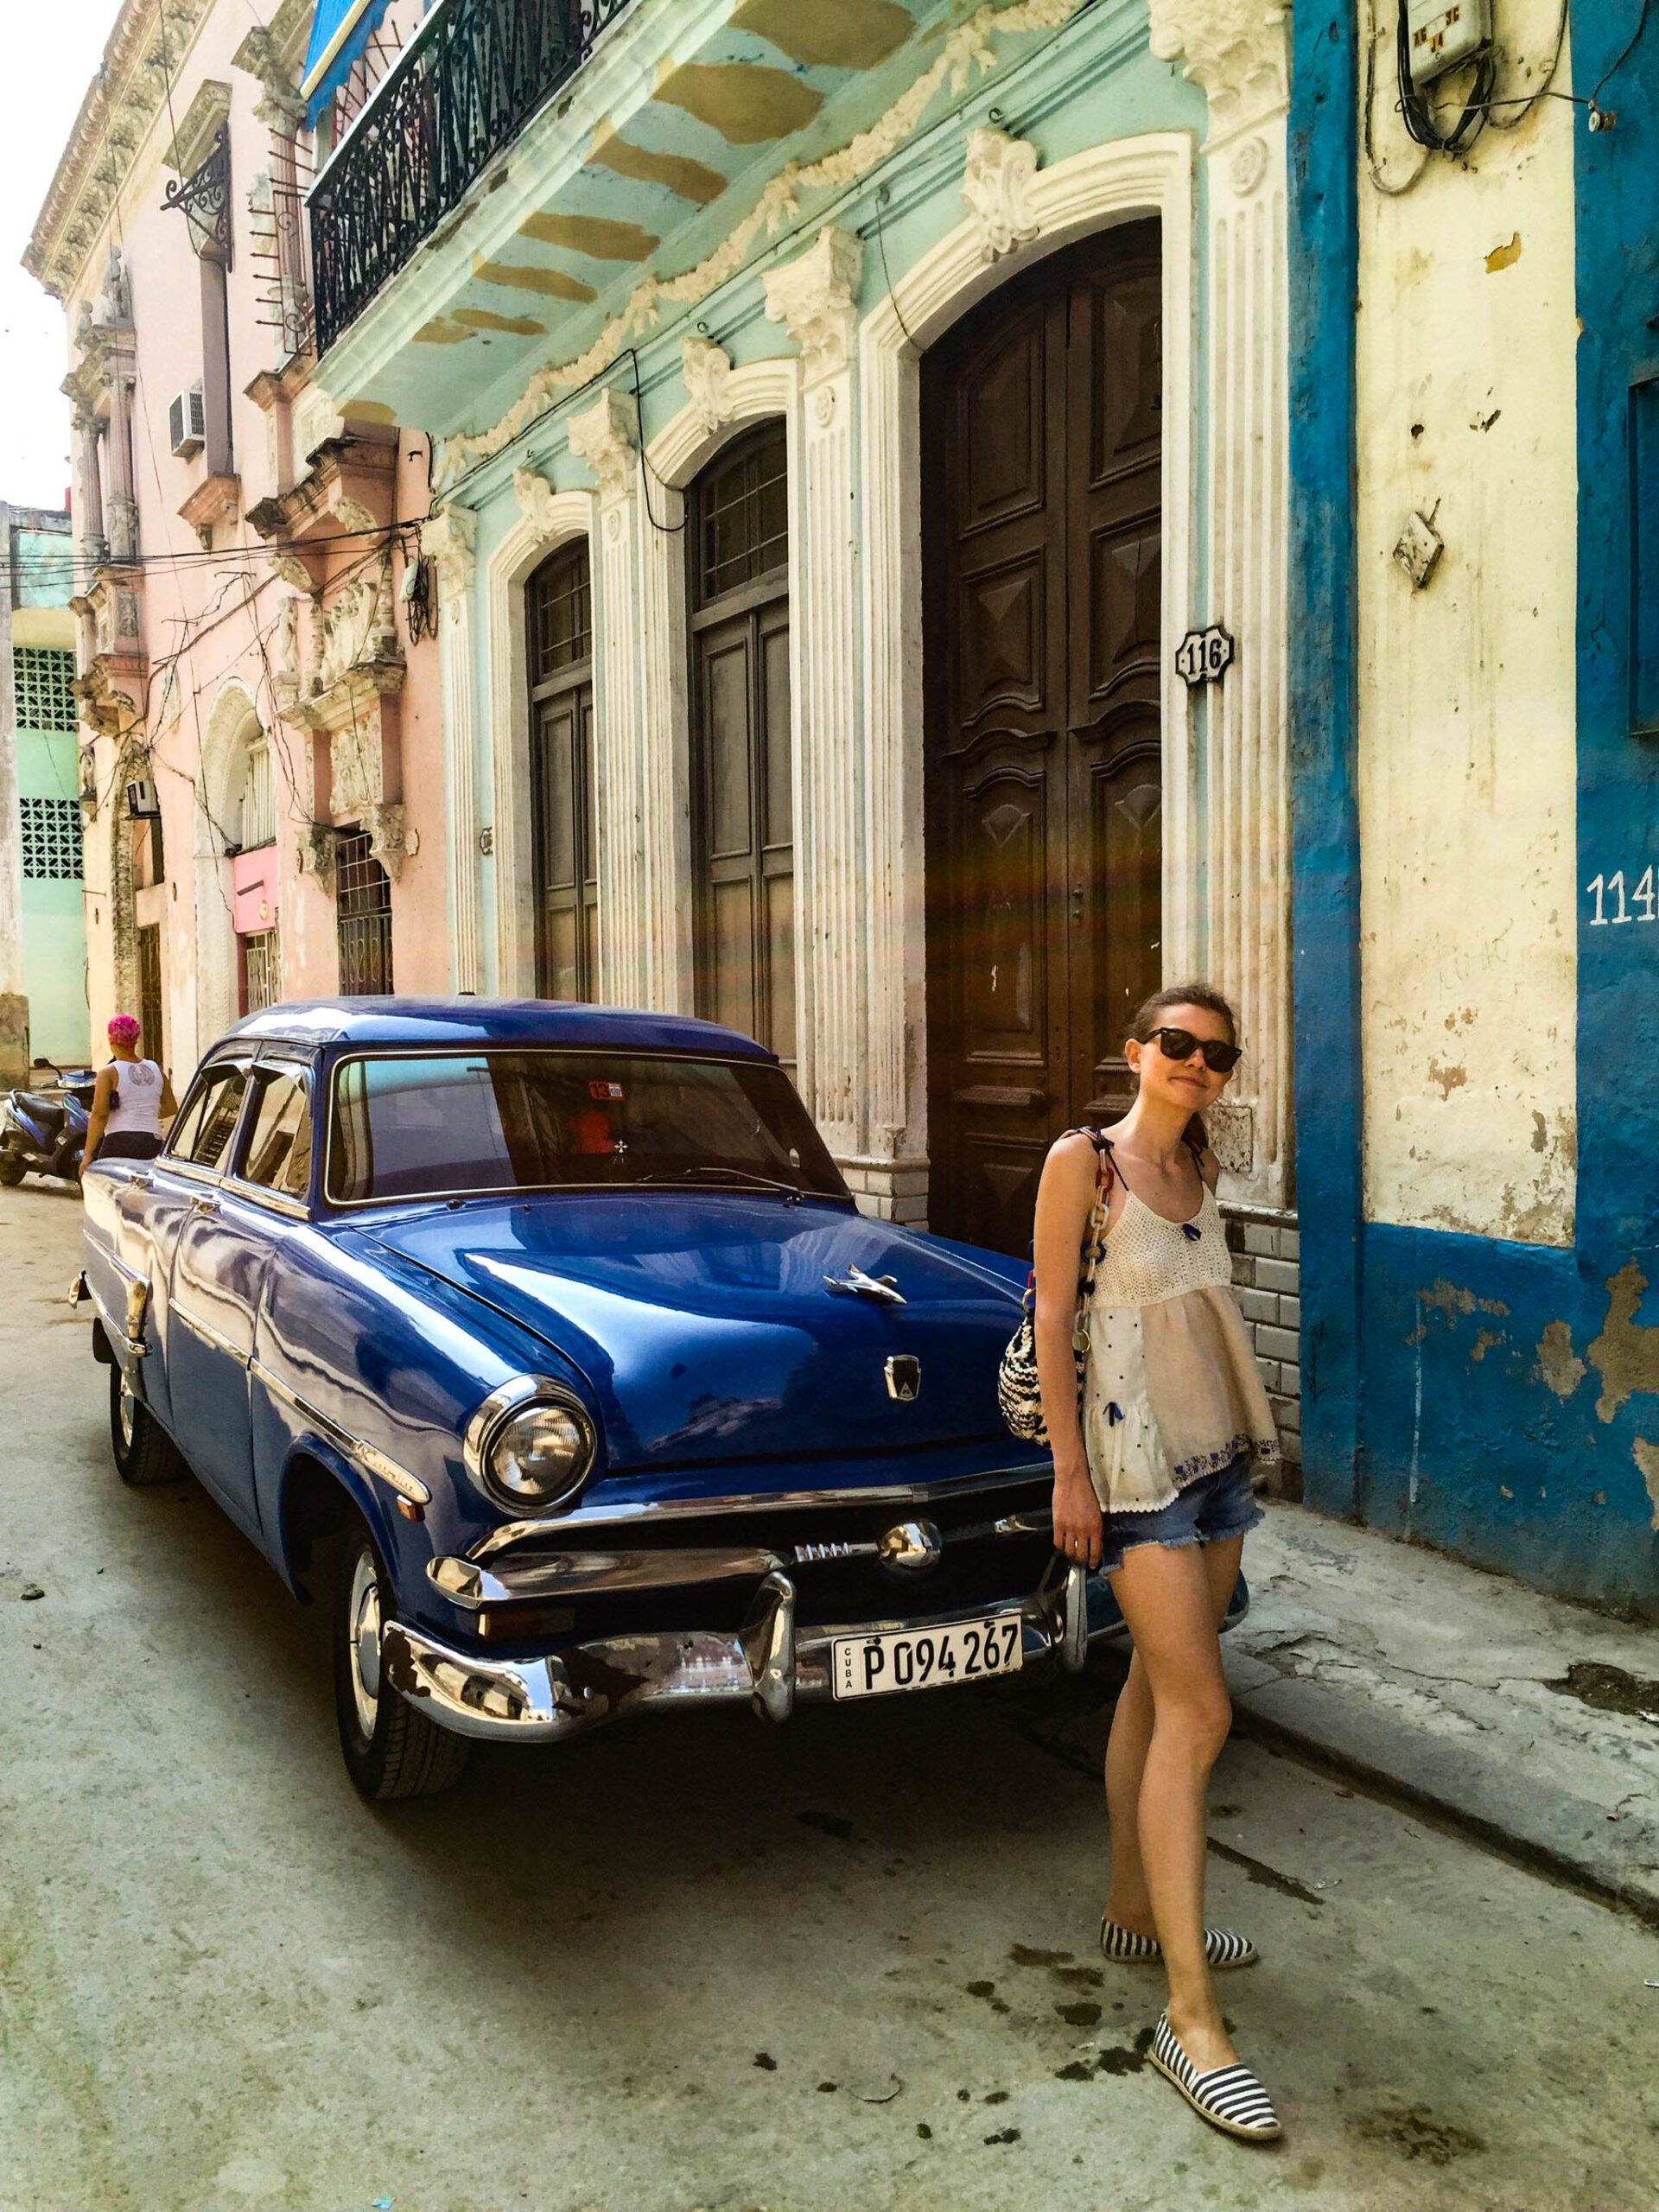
column 1077, row 1527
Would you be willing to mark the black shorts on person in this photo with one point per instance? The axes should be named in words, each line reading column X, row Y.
column 130, row 1144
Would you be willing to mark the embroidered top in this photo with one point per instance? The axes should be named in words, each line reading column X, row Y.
column 1171, row 1390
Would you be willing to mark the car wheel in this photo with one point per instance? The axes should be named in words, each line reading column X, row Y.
column 392, row 1749
column 144, row 1453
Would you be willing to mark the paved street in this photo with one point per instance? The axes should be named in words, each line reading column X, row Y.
column 842, row 1968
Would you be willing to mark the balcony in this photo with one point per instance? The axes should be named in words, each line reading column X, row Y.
column 463, row 89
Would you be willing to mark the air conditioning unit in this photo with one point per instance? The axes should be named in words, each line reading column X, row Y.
column 186, row 423
column 142, row 801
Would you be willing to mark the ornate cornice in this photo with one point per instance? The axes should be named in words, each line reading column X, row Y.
column 813, row 298
column 122, row 103
column 607, row 436
column 706, row 370
column 1237, row 51
column 449, row 541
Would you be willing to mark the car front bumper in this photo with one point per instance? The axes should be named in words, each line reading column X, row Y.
column 771, row 1662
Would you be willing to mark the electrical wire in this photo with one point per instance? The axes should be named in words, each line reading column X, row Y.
column 1381, row 183
column 1532, row 98
column 1416, row 111
column 1624, row 53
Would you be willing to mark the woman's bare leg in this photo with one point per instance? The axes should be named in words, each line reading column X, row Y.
column 1128, row 1902
column 1168, row 1600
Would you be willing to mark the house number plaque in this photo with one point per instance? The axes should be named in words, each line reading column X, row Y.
column 1204, row 656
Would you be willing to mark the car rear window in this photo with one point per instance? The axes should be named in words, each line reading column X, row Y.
column 450, row 1124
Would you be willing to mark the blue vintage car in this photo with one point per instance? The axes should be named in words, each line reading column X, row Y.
column 547, row 1344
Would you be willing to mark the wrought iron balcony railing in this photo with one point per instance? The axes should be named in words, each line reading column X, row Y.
column 466, row 84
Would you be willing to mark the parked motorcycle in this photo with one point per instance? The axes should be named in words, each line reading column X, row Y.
column 43, row 1132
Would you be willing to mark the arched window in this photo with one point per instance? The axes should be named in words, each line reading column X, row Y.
column 742, row 796
column 565, row 843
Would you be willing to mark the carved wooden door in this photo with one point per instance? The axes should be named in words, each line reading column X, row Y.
column 743, row 785
column 565, row 843
column 1041, row 577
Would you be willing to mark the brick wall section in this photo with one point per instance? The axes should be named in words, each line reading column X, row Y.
column 1266, row 1273
column 888, row 1193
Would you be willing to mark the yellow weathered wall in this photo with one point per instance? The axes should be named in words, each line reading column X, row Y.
column 1466, row 336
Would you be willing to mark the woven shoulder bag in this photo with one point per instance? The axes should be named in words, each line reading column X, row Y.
column 1018, row 1393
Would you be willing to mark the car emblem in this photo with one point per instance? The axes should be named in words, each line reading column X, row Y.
column 903, row 1374
column 862, row 1285
column 912, row 1546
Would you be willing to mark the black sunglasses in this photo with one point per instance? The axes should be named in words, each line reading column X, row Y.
column 1181, row 1045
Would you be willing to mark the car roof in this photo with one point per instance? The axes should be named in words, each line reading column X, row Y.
column 469, row 1021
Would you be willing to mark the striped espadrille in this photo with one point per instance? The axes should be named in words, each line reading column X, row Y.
column 1229, row 2097
column 1222, row 1948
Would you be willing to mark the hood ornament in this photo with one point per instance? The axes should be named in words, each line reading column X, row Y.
column 856, row 1283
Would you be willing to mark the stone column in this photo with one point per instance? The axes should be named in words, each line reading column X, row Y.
column 665, row 768
column 87, row 431
column 813, row 298
column 1239, row 56
column 122, row 507
column 448, row 543
column 607, row 436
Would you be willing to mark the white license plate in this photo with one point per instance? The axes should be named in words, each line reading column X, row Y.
column 925, row 1658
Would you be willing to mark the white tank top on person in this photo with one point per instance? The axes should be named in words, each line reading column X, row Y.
column 137, row 1109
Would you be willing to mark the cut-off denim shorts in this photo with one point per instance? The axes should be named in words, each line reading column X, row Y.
column 1207, row 1512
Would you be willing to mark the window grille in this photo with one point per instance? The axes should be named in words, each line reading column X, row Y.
column 51, row 839
column 259, row 798
column 363, row 905
column 42, row 676
column 262, row 970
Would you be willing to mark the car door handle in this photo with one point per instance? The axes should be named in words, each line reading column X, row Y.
column 204, row 1205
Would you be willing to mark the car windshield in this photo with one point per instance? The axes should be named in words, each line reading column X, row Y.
column 449, row 1124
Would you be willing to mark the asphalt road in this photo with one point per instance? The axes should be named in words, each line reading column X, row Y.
column 844, row 1966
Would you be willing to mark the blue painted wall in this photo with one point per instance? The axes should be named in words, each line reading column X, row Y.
column 1497, row 1400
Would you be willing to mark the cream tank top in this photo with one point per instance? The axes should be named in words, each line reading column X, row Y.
column 1171, row 1390
column 137, row 1109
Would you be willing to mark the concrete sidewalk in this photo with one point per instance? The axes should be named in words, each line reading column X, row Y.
column 1527, row 1722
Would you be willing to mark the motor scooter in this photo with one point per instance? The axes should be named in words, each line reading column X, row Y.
column 43, row 1132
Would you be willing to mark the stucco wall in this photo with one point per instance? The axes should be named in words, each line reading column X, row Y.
column 1465, row 388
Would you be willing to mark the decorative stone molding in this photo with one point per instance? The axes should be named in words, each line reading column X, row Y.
column 449, row 541
column 272, row 53
column 607, row 436
column 813, row 298
column 1237, row 51
column 537, row 499
column 124, row 98
column 389, row 840
column 996, row 188
column 706, row 370
column 356, row 629
column 317, row 847
column 201, row 123
column 291, row 569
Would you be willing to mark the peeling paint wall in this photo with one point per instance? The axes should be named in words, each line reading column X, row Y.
column 1464, row 390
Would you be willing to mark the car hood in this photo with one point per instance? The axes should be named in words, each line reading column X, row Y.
column 703, row 1323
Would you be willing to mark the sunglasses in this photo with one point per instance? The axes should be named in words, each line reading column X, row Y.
column 1219, row 1058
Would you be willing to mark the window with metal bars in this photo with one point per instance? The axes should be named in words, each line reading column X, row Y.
column 259, row 825
column 40, row 679
column 51, row 839
column 363, row 908
column 262, row 970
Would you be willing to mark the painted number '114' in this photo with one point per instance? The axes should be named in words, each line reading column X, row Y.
column 1609, row 892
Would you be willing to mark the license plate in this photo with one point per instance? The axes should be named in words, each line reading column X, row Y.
column 926, row 1659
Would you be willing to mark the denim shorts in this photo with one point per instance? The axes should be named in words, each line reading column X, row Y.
column 1207, row 1512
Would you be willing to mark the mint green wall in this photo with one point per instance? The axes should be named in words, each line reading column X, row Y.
column 54, row 919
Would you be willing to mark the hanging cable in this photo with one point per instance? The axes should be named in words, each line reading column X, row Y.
column 1415, row 110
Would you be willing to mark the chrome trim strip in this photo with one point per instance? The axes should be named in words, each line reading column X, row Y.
column 787, row 1501
column 256, row 1194
column 369, row 1456
column 210, row 1335
column 116, row 1330
column 558, row 1574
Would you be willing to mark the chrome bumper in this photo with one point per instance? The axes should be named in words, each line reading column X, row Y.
column 769, row 1662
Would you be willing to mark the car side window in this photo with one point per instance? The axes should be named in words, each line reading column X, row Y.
column 208, row 1122
column 278, row 1154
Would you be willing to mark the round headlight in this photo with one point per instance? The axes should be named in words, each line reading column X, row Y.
column 540, row 1453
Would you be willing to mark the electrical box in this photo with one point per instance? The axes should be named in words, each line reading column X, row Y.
column 1442, row 35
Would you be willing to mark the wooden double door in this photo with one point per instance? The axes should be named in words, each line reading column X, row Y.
column 565, row 802
column 1043, row 777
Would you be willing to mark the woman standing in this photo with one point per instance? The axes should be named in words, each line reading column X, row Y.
column 1151, row 1479
column 127, row 1101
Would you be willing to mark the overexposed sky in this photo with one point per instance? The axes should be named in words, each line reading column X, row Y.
column 49, row 53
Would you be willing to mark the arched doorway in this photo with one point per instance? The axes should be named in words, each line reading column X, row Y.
column 742, row 790
column 1041, row 570
column 564, row 840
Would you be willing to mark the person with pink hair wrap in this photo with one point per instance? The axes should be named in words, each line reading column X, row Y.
column 130, row 1096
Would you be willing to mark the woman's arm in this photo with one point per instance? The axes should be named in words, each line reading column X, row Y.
column 102, row 1091
column 169, row 1104
column 1063, row 1199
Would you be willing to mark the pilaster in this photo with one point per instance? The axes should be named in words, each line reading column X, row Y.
column 450, row 543
column 814, row 298
column 607, row 436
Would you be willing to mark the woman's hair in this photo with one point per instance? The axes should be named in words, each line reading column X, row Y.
column 1148, row 1016
column 124, row 1029
column 1147, row 1013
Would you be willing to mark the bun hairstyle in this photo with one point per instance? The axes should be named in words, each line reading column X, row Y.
column 1150, row 1014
